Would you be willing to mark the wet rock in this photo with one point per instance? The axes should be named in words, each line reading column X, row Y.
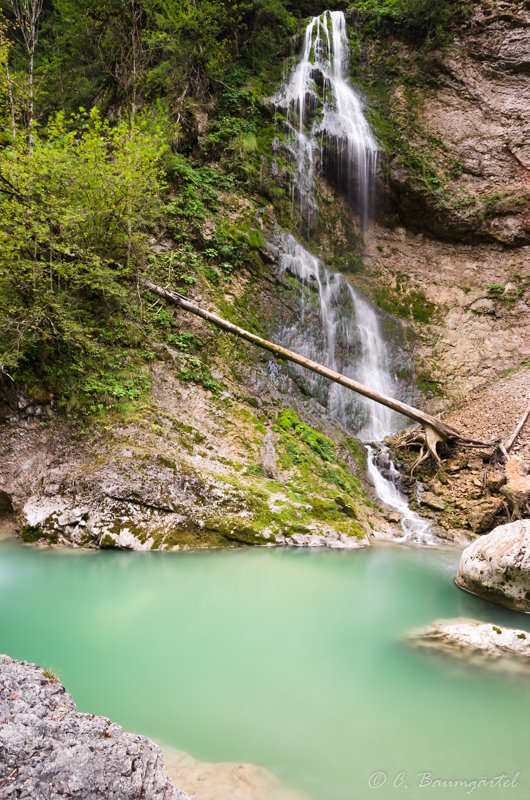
column 432, row 501
column 50, row 750
column 394, row 516
column 482, row 514
column 482, row 643
column 345, row 542
column 497, row 566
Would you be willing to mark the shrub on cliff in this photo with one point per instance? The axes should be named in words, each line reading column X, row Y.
column 426, row 20
column 75, row 211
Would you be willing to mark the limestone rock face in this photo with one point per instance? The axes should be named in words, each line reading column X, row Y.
column 50, row 750
column 497, row 566
column 166, row 485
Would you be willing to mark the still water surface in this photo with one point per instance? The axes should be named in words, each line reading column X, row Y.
column 290, row 659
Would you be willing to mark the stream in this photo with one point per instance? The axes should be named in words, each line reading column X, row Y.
column 286, row 657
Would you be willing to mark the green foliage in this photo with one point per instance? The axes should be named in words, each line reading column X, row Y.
column 75, row 210
column 496, row 289
column 111, row 51
column 51, row 674
column 425, row 20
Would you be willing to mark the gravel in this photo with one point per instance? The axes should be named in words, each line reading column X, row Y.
column 495, row 410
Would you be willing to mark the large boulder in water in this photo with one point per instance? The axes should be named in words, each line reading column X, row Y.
column 497, row 566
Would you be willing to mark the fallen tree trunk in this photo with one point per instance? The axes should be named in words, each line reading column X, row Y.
column 511, row 441
column 435, row 429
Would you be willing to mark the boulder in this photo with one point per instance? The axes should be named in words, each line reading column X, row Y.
column 482, row 514
column 482, row 643
column 497, row 566
column 432, row 501
column 50, row 750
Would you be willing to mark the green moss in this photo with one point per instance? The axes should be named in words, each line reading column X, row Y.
column 32, row 533
column 410, row 305
column 44, row 530
column 107, row 542
column 427, row 385
column 288, row 421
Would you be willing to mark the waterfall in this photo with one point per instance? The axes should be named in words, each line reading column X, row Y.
column 325, row 124
column 323, row 117
column 339, row 328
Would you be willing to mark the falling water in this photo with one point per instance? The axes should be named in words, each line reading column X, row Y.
column 325, row 124
column 324, row 120
column 339, row 328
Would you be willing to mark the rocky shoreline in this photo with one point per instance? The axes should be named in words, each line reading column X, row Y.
column 49, row 750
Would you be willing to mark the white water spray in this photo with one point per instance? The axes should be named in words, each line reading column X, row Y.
column 324, row 116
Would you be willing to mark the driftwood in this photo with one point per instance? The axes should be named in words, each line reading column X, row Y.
column 435, row 429
column 511, row 441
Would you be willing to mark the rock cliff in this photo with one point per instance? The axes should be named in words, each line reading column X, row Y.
column 451, row 250
column 203, row 461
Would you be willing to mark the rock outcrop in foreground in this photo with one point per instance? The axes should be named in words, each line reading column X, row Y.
column 49, row 750
column 497, row 566
column 482, row 643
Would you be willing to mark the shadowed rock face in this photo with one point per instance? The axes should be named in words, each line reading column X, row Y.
column 497, row 566
column 49, row 750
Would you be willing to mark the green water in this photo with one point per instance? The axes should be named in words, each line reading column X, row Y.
column 286, row 658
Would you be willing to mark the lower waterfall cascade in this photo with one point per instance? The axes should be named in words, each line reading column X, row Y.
column 324, row 334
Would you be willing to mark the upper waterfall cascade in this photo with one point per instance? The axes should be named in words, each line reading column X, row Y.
column 324, row 115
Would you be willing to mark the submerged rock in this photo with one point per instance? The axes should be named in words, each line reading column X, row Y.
column 49, row 750
column 481, row 642
column 497, row 566
column 225, row 781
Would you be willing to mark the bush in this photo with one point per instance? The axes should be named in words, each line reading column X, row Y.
column 75, row 209
column 415, row 19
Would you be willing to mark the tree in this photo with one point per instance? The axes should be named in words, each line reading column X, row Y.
column 27, row 14
column 75, row 210
column 5, row 46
